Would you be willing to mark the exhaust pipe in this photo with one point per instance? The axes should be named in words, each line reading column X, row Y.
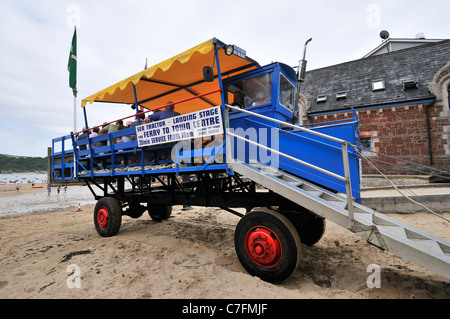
column 302, row 64
column 300, row 79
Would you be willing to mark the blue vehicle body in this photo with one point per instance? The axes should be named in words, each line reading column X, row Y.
column 301, row 145
column 129, row 159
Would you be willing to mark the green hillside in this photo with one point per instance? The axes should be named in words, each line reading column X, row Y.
column 22, row 163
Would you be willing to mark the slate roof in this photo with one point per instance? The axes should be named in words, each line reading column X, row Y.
column 418, row 63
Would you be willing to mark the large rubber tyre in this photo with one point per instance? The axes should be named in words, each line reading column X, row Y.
column 267, row 245
column 107, row 216
column 135, row 209
column 311, row 231
column 310, row 227
column 159, row 212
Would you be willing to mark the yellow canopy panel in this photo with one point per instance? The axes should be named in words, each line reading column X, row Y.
column 176, row 79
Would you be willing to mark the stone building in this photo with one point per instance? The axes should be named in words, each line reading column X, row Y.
column 402, row 100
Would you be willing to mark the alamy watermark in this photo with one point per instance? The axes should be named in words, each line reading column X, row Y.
column 374, row 279
column 200, row 150
column 373, row 20
column 74, row 278
column 74, row 16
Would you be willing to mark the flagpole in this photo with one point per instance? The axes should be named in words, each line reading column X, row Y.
column 74, row 114
column 73, row 54
column 74, row 130
column 75, row 104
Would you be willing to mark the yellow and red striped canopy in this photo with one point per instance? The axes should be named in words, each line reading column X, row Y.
column 176, row 79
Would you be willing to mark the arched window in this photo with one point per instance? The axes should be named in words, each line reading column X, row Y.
column 448, row 96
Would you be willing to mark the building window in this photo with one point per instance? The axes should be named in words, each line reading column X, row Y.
column 366, row 144
column 378, row 85
column 341, row 95
column 448, row 96
column 409, row 85
column 322, row 98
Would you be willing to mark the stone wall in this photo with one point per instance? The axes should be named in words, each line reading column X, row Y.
column 404, row 133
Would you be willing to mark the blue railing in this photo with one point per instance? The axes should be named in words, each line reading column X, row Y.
column 126, row 158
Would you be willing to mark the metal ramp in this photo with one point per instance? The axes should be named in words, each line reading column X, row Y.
column 426, row 250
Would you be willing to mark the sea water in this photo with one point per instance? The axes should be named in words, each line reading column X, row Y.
column 23, row 178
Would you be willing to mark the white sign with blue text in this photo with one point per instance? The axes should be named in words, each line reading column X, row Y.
column 186, row 126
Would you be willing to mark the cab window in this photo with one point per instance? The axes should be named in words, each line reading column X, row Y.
column 287, row 93
column 251, row 92
column 257, row 90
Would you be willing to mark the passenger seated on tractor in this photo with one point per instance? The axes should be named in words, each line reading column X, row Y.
column 120, row 126
column 114, row 128
column 83, row 136
column 167, row 113
column 127, row 138
column 136, row 123
column 103, row 131
column 94, row 134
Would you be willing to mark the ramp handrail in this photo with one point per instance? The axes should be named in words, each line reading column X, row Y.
column 343, row 143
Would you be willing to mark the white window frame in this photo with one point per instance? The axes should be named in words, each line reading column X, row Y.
column 378, row 85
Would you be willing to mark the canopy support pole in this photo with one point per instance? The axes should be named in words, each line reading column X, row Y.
column 224, row 110
column 85, row 119
column 136, row 105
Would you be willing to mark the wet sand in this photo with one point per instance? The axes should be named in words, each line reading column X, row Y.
column 32, row 200
column 189, row 256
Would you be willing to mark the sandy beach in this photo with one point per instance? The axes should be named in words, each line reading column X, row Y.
column 45, row 241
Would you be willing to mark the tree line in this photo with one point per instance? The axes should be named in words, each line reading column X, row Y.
column 22, row 163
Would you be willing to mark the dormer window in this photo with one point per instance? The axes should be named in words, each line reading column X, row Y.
column 322, row 98
column 341, row 95
column 412, row 84
column 378, row 85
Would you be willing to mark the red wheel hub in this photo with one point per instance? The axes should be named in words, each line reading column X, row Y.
column 102, row 217
column 263, row 246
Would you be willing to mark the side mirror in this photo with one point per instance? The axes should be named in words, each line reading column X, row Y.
column 208, row 74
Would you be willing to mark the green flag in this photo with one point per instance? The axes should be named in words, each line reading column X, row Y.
column 72, row 67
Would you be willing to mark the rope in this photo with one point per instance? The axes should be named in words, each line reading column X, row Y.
column 404, row 195
column 428, row 169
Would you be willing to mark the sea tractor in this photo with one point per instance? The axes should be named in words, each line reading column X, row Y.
column 236, row 143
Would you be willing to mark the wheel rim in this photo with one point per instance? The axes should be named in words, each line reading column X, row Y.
column 263, row 246
column 102, row 217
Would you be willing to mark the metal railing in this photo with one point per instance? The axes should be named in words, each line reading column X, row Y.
column 344, row 146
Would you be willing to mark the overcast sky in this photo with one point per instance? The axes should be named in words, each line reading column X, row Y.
column 115, row 38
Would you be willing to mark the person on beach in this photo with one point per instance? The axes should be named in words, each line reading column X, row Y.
column 18, row 187
column 49, row 190
column 58, row 189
